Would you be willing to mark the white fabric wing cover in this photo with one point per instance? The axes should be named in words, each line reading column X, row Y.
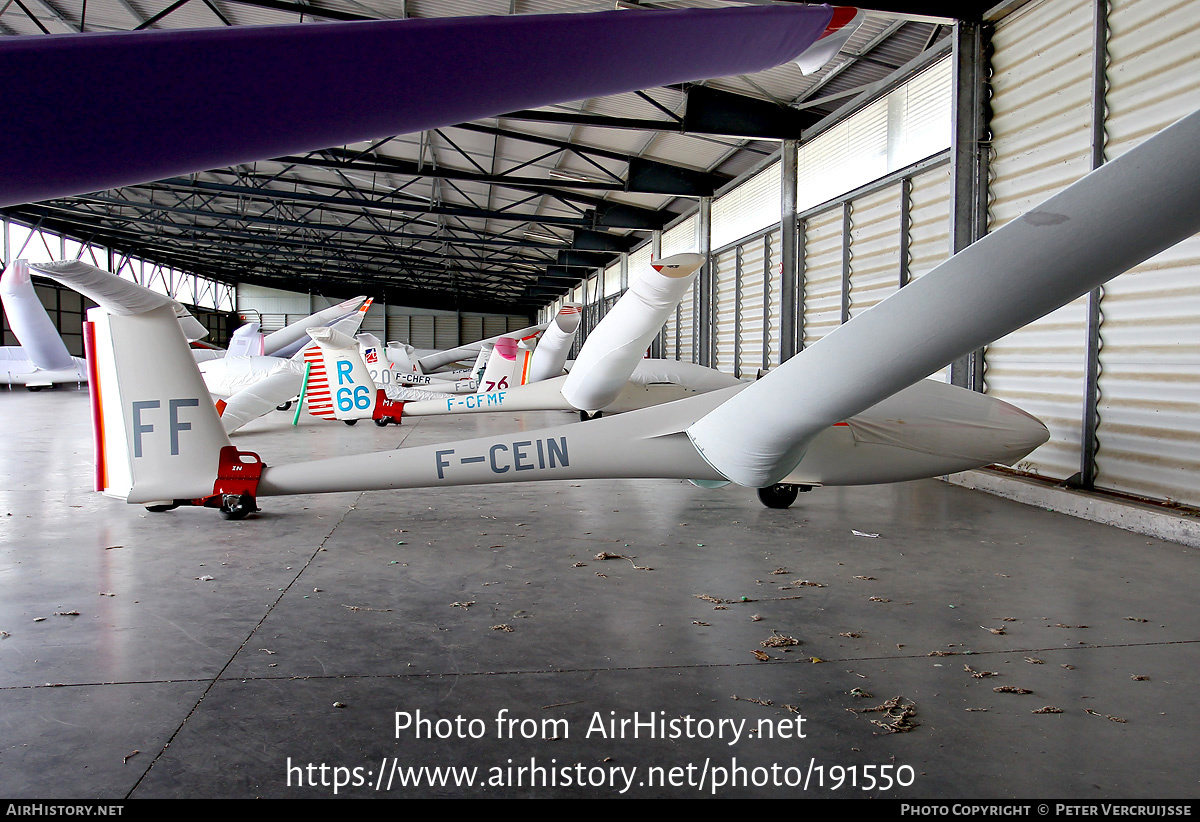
column 263, row 396
column 1107, row 222
column 686, row 374
column 116, row 295
column 555, row 344
column 615, row 346
column 29, row 321
column 283, row 343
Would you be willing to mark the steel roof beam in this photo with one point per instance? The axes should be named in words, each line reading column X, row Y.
column 707, row 111
column 651, row 172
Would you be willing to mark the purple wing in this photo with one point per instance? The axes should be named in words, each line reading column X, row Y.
column 86, row 112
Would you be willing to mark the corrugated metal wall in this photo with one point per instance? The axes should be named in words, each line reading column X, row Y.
column 755, row 278
column 822, row 273
column 875, row 248
column 1149, row 385
column 1042, row 76
column 725, row 309
column 1148, row 388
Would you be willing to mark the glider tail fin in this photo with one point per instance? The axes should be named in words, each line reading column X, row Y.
column 339, row 384
column 159, row 439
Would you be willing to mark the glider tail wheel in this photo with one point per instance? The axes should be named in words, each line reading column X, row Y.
column 383, row 421
column 284, row 406
column 162, row 507
column 237, row 506
column 781, row 494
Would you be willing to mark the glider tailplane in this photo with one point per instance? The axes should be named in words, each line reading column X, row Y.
column 339, row 383
column 159, row 440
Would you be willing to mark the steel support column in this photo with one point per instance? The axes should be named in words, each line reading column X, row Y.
column 968, row 164
column 737, row 313
column 1091, row 393
column 847, row 210
column 766, row 306
column 791, row 298
column 905, row 228
column 703, row 319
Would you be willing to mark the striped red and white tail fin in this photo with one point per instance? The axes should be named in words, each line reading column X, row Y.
column 317, row 395
column 340, row 387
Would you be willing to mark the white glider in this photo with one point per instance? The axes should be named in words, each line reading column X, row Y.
column 163, row 445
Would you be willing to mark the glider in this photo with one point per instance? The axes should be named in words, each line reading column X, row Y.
column 220, row 97
column 161, row 444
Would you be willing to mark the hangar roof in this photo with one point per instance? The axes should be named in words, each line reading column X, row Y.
column 497, row 214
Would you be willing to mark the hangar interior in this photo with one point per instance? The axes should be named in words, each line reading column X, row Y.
column 177, row 655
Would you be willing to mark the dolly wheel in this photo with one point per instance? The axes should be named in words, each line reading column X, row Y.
column 383, row 421
column 350, row 422
column 237, row 506
column 780, row 495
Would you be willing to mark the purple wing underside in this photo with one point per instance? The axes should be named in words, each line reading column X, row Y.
column 87, row 112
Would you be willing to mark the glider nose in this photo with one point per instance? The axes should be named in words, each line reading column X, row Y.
column 1025, row 432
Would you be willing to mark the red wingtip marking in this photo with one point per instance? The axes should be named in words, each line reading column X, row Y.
column 841, row 16
column 221, row 408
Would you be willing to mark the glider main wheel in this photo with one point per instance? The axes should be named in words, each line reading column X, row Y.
column 383, row 421
column 284, row 406
column 350, row 422
column 584, row 416
column 237, row 506
column 161, row 509
column 33, row 388
column 780, row 495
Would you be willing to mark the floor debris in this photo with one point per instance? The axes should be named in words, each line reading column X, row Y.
column 899, row 712
column 979, row 674
column 1048, row 709
column 778, row 640
column 1011, row 689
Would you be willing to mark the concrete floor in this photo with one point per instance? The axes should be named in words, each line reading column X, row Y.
column 169, row 685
